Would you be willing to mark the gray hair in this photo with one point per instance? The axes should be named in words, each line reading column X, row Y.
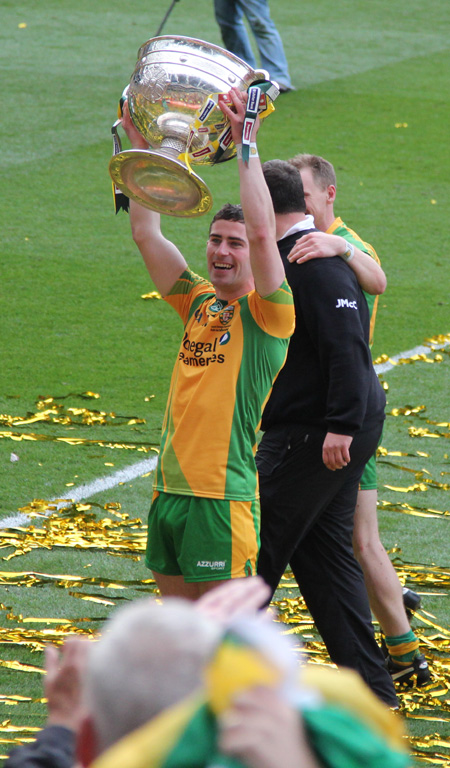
column 149, row 657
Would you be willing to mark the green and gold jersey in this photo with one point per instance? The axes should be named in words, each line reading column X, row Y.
column 229, row 357
column 339, row 228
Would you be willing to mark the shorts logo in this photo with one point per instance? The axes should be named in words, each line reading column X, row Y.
column 213, row 565
column 346, row 303
column 225, row 338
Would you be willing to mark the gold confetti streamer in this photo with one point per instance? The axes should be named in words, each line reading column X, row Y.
column 51, row 411
column 423, row 486
column 409, row 509
column 107, row 528
column 439, row 340
column 429, row 704
column 407, row 410
column 425, row 432
column 92, row 598
column 417, row 472
column 16, row 699
column 19, row 667
column 7, row 727
column 381, row 451
column 76, row 529
column 133, row 446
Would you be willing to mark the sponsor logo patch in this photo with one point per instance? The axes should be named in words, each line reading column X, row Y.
column 346, row 303
column 199, row 353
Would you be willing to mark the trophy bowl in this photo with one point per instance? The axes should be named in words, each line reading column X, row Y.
column 172, row 80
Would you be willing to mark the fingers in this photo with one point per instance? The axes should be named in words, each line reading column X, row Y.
column 315, row 245
column 334, row 460
column 125, row 113
column 135, row 137
column 292, row 257
column 303, row 250
column 234, row 598
column 72, row 655
column 51, row 659
column 236, row 108
column 336, row 451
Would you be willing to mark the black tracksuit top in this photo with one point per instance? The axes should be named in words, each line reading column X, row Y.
column 328, row 379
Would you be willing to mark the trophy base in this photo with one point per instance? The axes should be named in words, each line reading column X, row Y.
column 159, row 182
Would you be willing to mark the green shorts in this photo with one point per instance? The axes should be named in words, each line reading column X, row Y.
column 368, row 480
column 202, row 539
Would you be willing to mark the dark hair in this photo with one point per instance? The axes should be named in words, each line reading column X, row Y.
column 285, row 187
column 229, row 212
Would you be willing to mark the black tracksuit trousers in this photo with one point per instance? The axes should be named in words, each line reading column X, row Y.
column 307, row 521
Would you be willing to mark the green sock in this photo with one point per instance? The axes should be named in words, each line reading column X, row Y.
column 403, row 648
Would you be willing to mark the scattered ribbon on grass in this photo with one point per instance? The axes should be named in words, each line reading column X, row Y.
column 431, row 703
column 51, row 412
column 130, row 446
column 434, row 341
column 410, row 509
column 86, row 526
column 75, row 527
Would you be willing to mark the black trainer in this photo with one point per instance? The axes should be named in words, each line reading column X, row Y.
column 412, row 601
column 418, row 667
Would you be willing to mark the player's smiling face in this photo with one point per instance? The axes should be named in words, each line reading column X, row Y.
column 315, row 198
column 228, row 259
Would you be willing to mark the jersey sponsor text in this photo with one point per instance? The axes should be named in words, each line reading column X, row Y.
column 346, row 303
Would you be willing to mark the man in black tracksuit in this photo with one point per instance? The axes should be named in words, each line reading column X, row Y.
column 321, row 424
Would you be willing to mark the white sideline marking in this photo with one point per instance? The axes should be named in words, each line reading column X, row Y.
column 422, row 350
column 89, row 489
column 148, row 465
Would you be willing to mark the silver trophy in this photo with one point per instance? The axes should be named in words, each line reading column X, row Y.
column 168, row 99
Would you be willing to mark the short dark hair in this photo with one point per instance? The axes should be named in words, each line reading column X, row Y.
column 229, row 212
column 285, row 187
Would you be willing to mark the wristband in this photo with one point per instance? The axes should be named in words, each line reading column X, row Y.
column 253, row 150
column 349, row 253
column 251, row 114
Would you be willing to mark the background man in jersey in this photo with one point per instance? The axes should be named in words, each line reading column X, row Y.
column 384, row 588
column 321, row 424
column 204, row 518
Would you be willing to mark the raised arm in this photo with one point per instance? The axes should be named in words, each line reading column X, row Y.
column 267, row 267
column 162, row 258
column 315, row 245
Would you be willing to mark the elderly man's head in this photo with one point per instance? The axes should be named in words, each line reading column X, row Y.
column 149, row 657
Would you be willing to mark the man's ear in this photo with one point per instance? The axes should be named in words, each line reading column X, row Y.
column 331, row 193
column 86, row 746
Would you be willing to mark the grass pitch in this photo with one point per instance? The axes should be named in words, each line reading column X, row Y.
column 372, row 96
